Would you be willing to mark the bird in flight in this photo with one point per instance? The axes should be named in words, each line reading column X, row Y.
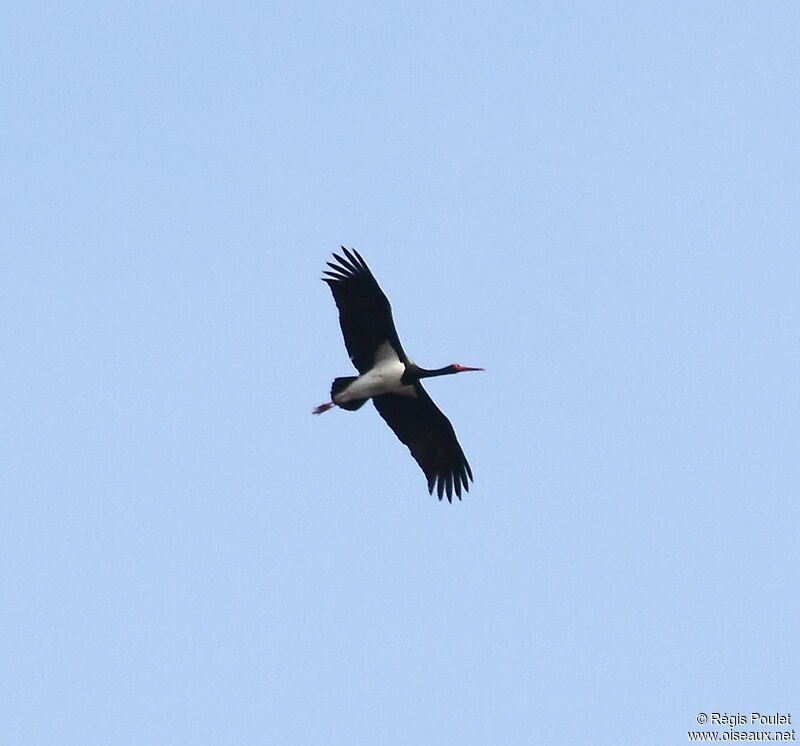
column 390, row 378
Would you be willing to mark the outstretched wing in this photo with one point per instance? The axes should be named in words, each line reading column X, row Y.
column 430, row 437
column 364, row 311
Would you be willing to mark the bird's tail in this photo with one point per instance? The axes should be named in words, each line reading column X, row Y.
column 339, row 385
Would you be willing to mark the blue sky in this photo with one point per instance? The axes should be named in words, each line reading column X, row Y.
column 597, row 202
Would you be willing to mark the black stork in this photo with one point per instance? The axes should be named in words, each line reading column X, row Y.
column 390, row 378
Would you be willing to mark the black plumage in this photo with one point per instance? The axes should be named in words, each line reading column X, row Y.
column 430, row 437
column 365, row 317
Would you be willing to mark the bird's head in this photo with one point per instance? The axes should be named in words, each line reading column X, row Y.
column 456, row 368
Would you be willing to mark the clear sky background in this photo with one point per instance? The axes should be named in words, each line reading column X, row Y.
column 597, row 202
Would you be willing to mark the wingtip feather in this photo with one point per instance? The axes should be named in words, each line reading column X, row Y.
column 360, row 259
column 348, row 264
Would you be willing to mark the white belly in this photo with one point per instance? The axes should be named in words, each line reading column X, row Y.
column 383, row 378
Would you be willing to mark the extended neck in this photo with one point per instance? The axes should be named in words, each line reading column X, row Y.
column 426, row 373
column 415, row 373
